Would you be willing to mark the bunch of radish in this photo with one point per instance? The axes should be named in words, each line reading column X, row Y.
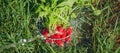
column 59, row 36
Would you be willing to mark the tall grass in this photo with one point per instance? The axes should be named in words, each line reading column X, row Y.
column 92, row 33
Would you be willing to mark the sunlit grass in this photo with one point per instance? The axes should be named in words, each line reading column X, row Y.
column 92, row 34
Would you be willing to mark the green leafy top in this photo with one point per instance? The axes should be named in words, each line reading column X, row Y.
column 55, row 12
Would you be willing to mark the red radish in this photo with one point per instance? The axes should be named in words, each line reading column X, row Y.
column 45, row 32
column 51, row 38
column 59, row 42
column 59, row 28
column 49, row 41
column 46, row 41
column 67, row 40
column 64, row 34
column 55, row 36
column 58, row 36
column 69, row 30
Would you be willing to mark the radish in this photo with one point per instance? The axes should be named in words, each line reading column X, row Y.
column 45, row 32
column 49, row 41
column 67, row 40
column 64, row 34
column 59, row 42
column 69, row 30
column 59, row 29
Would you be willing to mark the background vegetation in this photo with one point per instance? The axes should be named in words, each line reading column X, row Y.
column 96, row 28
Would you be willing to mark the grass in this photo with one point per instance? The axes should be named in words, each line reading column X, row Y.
column 92, row 34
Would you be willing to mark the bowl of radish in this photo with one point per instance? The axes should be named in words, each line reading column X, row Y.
column 59, row 36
